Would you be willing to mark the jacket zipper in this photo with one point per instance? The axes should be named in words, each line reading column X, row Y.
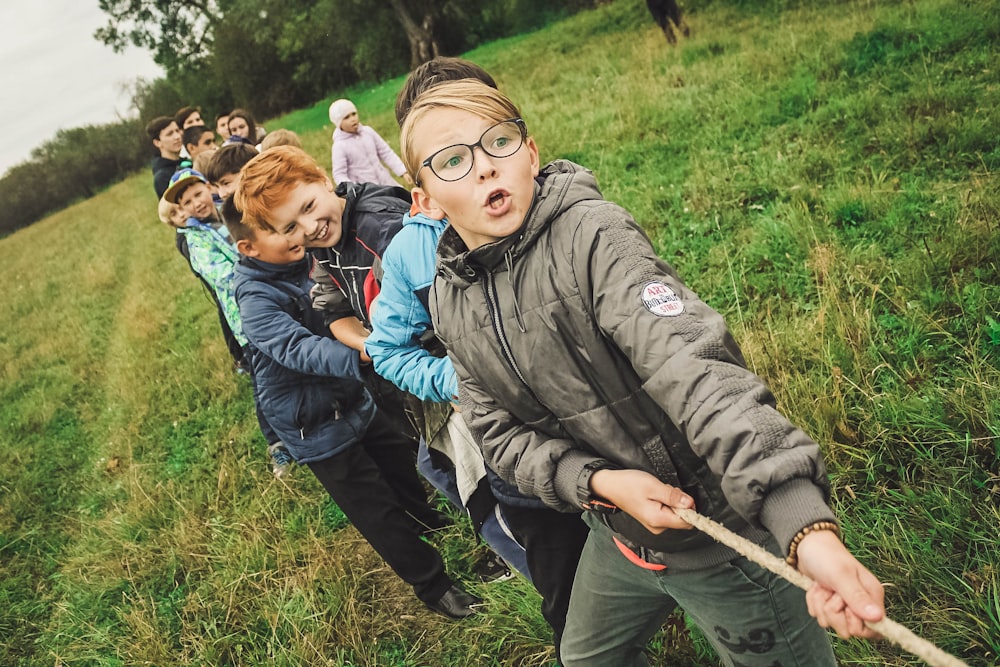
column 493, row 304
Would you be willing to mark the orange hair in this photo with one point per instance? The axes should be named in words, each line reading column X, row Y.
column 268, row 179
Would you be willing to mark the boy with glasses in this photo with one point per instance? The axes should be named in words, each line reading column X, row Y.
column 536, row 540
column 596, row 379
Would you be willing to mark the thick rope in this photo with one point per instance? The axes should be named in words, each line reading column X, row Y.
column 889, row 629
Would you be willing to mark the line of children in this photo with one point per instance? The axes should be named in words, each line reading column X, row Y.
column 212, row 256
column 601, row 382
column 595, row 378
column 311, row 386
column 198, row 139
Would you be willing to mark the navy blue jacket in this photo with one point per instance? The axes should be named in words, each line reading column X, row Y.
column 309, row 385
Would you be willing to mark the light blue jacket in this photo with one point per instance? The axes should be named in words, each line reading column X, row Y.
column 401, row 314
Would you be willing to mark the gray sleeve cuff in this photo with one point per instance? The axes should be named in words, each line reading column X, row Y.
column 791, row 507
column 568, row 474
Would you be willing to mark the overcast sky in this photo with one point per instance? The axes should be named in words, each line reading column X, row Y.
column 54, row 74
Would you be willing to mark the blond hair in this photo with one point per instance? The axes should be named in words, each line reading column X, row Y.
column 201, row 162
column 268, row 179
column 468, row 95
column 280, row 137
column 165, row 211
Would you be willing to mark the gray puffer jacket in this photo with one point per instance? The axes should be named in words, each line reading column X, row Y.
column 575, row 344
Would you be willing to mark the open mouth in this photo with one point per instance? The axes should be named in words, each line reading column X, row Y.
column 496, row 200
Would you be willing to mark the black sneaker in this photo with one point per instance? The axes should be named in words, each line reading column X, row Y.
column 492, row 568
column 456, row 603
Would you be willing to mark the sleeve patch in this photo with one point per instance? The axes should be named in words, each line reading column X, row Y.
column 662, row 301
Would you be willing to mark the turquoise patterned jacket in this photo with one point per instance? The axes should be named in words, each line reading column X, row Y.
column 213, row 257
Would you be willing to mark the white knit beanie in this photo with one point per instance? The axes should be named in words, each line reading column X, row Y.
column 339, row 110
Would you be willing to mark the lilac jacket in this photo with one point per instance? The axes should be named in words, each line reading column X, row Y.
column 358, row 158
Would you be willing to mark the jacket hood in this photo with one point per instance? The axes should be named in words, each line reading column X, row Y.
column 256, row 269
column 352, row 193
column 421, row 219
column 559, row 185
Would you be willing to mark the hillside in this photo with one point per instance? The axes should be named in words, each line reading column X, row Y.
column 826, row 177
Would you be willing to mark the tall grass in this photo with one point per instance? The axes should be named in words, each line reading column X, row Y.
column 825, row 176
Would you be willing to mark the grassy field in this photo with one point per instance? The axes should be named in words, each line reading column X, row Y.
column 827, row 177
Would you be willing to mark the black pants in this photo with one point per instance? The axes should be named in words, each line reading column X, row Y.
column 552, row 541
column 375, row 483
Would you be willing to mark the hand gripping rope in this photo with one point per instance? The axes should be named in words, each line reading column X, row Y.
column 889, row 629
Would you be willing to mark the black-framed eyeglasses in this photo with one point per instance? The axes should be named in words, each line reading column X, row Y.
column 454, row 163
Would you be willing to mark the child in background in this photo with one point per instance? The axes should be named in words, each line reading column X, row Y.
column 188, row 117
column 242, row 128
column 212, row 256
column 168, row 140
column 346, row 230
column 311, row 386
column 597, row 379
column 198, row 139
column 222, row 125
column 201, row 164
column 404, row 350
column 178, row 220
column 171, row 214
column 210, row 251
column 224, row 170
column 359, row 152
column 280, row 137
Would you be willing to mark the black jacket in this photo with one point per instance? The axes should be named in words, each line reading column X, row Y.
column 345, row 284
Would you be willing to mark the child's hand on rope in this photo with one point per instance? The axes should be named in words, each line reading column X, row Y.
column 845, row 593
column 643, row 497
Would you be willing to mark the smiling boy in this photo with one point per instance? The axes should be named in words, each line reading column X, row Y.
column 312, row 387
column 346, row 230
column 597, row 379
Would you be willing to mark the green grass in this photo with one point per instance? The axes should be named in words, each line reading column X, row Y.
column 824, row 176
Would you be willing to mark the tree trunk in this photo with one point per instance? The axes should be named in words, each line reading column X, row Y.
column 423, row 46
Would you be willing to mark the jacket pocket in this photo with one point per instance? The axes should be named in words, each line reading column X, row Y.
column 317, row 405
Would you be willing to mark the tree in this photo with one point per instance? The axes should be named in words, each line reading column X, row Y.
column 178, row 33
column 423, row 45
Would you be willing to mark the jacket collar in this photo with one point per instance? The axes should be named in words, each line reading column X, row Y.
column 268, row 271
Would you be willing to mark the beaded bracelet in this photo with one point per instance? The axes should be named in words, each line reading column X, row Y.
column 793, row 548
